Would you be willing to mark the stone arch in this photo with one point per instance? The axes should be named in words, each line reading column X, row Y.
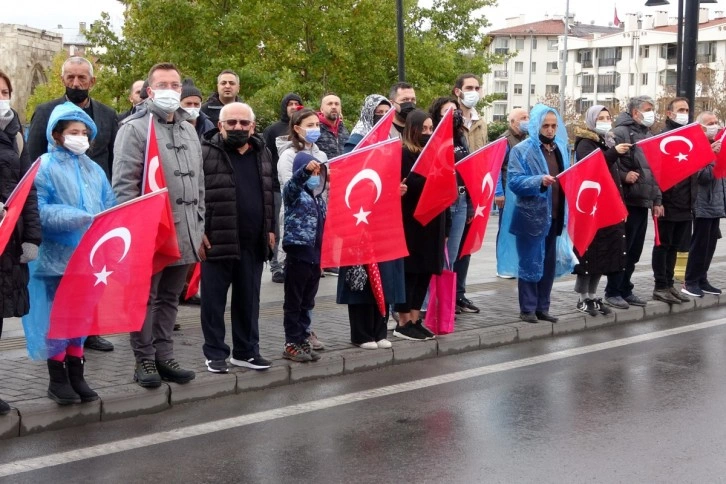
column 37, row 77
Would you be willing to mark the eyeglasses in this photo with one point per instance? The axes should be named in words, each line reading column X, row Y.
column 165, row 85
column 231, row 123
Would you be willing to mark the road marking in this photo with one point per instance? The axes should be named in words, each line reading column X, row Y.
column 60, row 458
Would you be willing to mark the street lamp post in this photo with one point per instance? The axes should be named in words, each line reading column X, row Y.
column 563, row 74
column 399, row 31
column 529, row 77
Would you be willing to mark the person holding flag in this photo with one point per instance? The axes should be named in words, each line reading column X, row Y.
column 374, row 108
column 606, row 254
column 534, row 215
column 425, row 243
column 71, row 189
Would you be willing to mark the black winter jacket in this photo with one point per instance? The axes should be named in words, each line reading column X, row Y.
column 14, row 300
column 214, row 106
column 276, row 130
column 679, row 200
column 645, row 191
column 220, row 220
column 329, row 143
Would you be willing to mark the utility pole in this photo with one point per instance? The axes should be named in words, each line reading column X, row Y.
column 399, row 28
column 563, row 74
column 529, row 78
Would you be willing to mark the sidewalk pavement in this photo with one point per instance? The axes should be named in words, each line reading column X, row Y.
column 23, row 383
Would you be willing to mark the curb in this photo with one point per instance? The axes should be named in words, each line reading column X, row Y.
column 130, row 400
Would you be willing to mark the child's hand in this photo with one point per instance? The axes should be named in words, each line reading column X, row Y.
column 313, row 167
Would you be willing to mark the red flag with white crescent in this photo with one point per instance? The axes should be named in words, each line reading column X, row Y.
column 167, row 245
column 105, row 287
column 480, row 172
column 15, row 203
column 380, row 132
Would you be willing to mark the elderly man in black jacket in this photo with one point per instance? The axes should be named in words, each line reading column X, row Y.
column 238, row 237
column 77, row 76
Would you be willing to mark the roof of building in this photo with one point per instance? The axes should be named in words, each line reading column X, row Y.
column 75, row 38
column 555, row 27
column 704, row 25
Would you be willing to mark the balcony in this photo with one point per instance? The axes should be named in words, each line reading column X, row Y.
column 672, row 60
column 608, row 61
column 500, row 96
column 588, row 89
column 501, row 74
column 705, row 58
column 606, row 88
column 501, row 50
column 586, row 63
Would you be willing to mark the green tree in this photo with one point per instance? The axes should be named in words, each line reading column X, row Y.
column 307, row 46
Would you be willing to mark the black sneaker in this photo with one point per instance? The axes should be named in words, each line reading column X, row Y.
column 581, row 306
column 278, row 277
column 256, row 363
column 170, row 370
column 4, row 408
column 146, row 374
column 466, row 305
column 709, row 289
column 217, row 366
column 423, row 330
column 634, row 300
column 604, row 310
column 408, row 332
column 307, row 347
column 331, row 270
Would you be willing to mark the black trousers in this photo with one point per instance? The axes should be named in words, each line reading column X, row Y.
column 416, row 287
column 366, row 323
column 635, row 227
column 673, row 236
column 245, row 277
column 301, row 286
column 706, row 233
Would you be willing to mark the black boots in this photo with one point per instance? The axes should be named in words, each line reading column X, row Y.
column 4, row 408
column 75, row 375
column 60, row 389
column 67, row 384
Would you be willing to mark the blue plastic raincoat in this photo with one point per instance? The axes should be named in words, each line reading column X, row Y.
column 527, row 211
column 71, row 190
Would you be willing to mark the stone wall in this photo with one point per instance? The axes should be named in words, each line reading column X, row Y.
column 27, row 57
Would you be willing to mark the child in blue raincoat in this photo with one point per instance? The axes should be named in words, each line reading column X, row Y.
column 71, row 188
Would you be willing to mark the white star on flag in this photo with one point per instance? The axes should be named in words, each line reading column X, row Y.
column 102, row 277
column 681, row 157
column 480, row 210
column 361, row 216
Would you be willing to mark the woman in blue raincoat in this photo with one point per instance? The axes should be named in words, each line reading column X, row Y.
column 71, row 188
column 533, row 244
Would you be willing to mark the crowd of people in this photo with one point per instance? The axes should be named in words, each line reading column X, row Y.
column 241, row 198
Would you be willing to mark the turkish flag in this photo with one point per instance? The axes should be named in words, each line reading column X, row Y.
column 380, row 132
column 719, row 171
column 167, row 246
column 592, row 197
column 616, row 19
column 105, row 287
column 15, row 203
column 675, row 155
column 436, row 164
column 364, row 222
column 480, row 171
column 193, row 286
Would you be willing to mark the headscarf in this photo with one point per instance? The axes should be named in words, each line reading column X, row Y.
column 365, row 122
column 68, row 112
column 592, row 114
column 536, row 118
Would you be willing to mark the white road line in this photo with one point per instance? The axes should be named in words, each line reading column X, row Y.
column 59, row 458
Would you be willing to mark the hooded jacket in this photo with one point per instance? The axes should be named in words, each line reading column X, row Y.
column 644, row 192
column 287, row 156
column 213, row 106
column 711, row 196
column 220, row 221
column 275, row 130
column 678, row 200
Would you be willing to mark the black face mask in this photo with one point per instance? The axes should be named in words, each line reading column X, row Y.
column 376, row 118
column 406, row 109
column 237, row 138
column 76, row 96
column 424, row 139
column 546, row 140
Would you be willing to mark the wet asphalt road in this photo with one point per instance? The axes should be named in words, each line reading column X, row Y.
column 644, row 412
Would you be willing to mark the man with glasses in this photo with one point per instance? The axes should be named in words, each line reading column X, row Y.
column 227, row 92
column 181, row 159
column 78, row 79
column 239, row 237
column 403, row 98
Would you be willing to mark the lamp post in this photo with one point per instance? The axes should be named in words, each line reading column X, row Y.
column 563, row 74
column 529, row 77
column 399, row 32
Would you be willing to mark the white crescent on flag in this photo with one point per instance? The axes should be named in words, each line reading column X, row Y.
column 153, row 168
column 587, row 184
column 365, row 174
column 122, row 233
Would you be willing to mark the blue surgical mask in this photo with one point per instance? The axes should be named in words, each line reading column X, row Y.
column 312, row 135
column 524, row 127
column 313, row 182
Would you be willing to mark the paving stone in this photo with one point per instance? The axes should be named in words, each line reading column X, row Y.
column 328, row 365
column 205, row 385
column 497, row 336
column 360, row 360
column 130, row 400
column 569, row 324
column 249, row 380
column 529, row 331
column 458, row 342
column 44, row 414
column 10, row 425
column 413, row 350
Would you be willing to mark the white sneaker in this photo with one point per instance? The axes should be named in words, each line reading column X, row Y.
column 370, row 345
column 384, row 344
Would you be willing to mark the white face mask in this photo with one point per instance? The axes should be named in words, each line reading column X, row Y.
column 603, row 127
column 75, row 144
column 470, row 99
column 681, row 118
column 193, row 113
column 4, row 106
column 712, row 131
column 648, row 118
column 168, row 100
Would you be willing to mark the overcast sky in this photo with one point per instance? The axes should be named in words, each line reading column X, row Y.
column 48, row 14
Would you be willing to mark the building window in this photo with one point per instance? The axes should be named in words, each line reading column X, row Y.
column 645, row 51
column 501, row 45
column 632, row 79
column 534, row 67
column 531, row 89
column 552, row 44
column 534, row 43
column 517, row 89
column 706, row 52
column 552, row 67
column 584, row 57
column 608, row 82
column 609, row 56
column 519, row 67
column 644, row 79
column 668, row 52
column 519, row 44
column 588, row 84
column 552, row 89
